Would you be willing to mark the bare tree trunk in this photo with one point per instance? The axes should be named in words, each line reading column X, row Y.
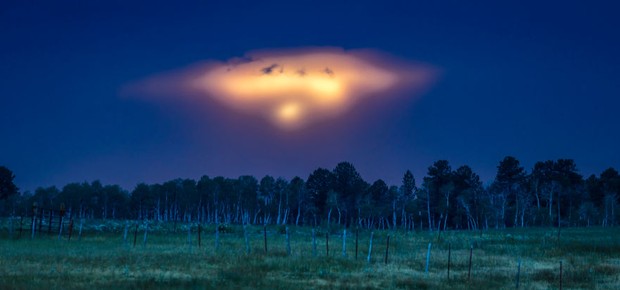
column 359, row 217
column 158, row 210
column 516, row 212
column 189, row 236
column 279, row 209
column 60, row 228
column 298, row 214
column 329, row 215
column 558, row 202
column 536, row 191
column 559, row 220
column 403, row 218
column 80, row 233
column 503, row 212
column 613, row 213
column 551, row 205
column 428, row 210
column 394, row 213
column 445, row 222
column 285, row 217
column 166, row 209
column 339, row 214
column 256, row 216
column 217, row 236
column 522, row 216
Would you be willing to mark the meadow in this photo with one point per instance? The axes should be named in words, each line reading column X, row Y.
column 171, row 258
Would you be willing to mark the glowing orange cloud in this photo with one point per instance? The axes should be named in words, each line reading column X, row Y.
column 293, row 88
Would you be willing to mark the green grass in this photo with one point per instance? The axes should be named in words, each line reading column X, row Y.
column 590, row 257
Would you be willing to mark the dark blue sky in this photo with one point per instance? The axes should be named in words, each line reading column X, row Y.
column 534, row 80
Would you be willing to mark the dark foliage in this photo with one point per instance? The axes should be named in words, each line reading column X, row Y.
column 552, row 194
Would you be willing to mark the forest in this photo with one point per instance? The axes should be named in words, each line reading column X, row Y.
column 552, row 193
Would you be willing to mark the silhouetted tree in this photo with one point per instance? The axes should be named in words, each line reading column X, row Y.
column 319, row 185
column 349, row 187
column 468, row 191
column 299, row 197
column 508, row 191
column 610, row 184
column 553, row 194
column 379, row 202
column 439, row 187
column 569, row 184
column 409, row 200
column 7, row 187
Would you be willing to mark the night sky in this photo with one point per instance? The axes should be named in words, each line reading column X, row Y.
column 537, row 80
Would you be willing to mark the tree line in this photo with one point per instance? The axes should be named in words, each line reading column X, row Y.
column 552, row 193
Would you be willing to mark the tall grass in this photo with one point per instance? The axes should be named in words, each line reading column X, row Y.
column 101, row 259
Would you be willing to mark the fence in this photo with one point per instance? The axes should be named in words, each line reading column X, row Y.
column 43, row 221
column 280, row 240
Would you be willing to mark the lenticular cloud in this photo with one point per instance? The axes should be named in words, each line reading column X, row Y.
column 296, row 87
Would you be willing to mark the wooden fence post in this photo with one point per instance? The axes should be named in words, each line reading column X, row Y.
column 387, row 249
column 370, row 247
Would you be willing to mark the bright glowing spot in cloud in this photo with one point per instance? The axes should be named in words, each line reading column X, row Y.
column 289, row 112
column 294, row 88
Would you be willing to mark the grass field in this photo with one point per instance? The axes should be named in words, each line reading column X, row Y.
column 590, row 259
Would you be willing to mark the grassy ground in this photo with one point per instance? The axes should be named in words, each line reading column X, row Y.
column 101, row 259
